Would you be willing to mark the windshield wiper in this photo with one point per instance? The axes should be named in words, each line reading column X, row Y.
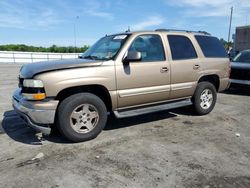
column 90, row 57
column 95, row 58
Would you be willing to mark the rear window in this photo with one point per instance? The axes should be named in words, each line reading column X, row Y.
column 211, row 46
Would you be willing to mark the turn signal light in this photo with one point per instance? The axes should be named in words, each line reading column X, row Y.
column 39, row 96
column 34, row 96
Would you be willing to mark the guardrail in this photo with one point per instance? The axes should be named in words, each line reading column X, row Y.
column 30, row 57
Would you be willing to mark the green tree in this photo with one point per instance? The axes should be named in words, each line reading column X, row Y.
column 53, row 48
column 226, row 44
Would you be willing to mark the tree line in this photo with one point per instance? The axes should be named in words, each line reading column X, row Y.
column 53, row 48
column 62, row 49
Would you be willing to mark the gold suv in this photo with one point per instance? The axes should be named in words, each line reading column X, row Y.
column 128, row 74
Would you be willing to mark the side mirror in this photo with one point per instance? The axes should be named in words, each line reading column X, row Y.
column 132, row 56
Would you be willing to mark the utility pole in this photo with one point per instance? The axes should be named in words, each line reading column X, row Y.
column 77, row 17
column 229, row 30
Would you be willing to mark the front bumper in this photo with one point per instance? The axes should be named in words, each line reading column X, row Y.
column 240, row 82
column 38, row 114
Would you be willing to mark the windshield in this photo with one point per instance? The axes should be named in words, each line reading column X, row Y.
column 106, row 48
column 243, row 57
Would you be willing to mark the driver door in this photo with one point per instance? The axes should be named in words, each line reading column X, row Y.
column 145, row 81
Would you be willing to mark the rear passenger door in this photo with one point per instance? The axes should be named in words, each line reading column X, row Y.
column 185, row 66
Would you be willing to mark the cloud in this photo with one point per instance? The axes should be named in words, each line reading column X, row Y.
column 214, row 12
column 30, row 14
column 19, row 15
column 199, row 3
column 96, row 9
column 149, row 22
column 212, row 8
column 100, row 14
column 48, row 18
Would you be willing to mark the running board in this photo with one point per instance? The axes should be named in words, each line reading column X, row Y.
column 150, row 109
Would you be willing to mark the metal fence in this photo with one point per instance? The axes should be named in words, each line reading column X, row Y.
column 30, row 57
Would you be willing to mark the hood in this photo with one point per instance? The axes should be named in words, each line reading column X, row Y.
column 240, row 65
column 30, row 70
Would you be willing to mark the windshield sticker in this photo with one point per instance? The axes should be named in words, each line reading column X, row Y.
column 119, row 37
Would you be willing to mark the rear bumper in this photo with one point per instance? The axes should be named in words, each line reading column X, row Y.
column 224, row 84
column 38, row 114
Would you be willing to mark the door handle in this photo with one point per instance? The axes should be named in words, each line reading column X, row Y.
column 196, row 66
column 164, row 69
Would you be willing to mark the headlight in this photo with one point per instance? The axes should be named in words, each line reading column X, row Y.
column 33, row 83
column 33, row 89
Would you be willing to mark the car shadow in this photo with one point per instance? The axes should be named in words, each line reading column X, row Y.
column 237, row 91
column 114, row 123
column 13, row 126
column 18, row 130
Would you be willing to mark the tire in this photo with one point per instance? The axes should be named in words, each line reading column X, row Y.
column 81, row 117
column 204, row 98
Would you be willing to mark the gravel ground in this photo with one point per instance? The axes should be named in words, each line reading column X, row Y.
column 166, row 149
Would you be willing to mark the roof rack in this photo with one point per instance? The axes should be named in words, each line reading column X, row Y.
column 187, row 31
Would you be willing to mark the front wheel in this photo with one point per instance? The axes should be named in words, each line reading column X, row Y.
column 204, row 98
column 81, row 117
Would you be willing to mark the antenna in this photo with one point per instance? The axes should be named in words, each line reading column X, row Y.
column 128, row 30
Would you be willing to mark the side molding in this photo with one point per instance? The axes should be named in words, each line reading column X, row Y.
column 143, row 91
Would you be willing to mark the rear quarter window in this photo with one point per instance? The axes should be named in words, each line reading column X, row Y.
column 211, row 46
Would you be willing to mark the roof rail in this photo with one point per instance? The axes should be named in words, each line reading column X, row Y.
column 187, row 31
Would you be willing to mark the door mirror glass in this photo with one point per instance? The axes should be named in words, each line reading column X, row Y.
column 133, row 56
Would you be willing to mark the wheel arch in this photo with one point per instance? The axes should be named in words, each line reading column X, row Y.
column 98, row 90
column 213, row 79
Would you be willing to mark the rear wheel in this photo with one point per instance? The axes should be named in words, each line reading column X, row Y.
column 81, row 117
column 204, row 98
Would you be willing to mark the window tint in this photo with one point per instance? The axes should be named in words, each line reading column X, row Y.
column 211, row 46
column 243, row 57
column 181, row 47
column 150, row 46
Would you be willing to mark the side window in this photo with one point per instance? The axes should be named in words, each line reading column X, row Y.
column 181, row 47
column 150, row 46
column 211, row 46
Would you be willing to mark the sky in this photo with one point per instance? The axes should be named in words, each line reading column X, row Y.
column 48, row 22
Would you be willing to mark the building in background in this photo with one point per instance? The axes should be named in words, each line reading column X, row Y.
column 242, row 38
